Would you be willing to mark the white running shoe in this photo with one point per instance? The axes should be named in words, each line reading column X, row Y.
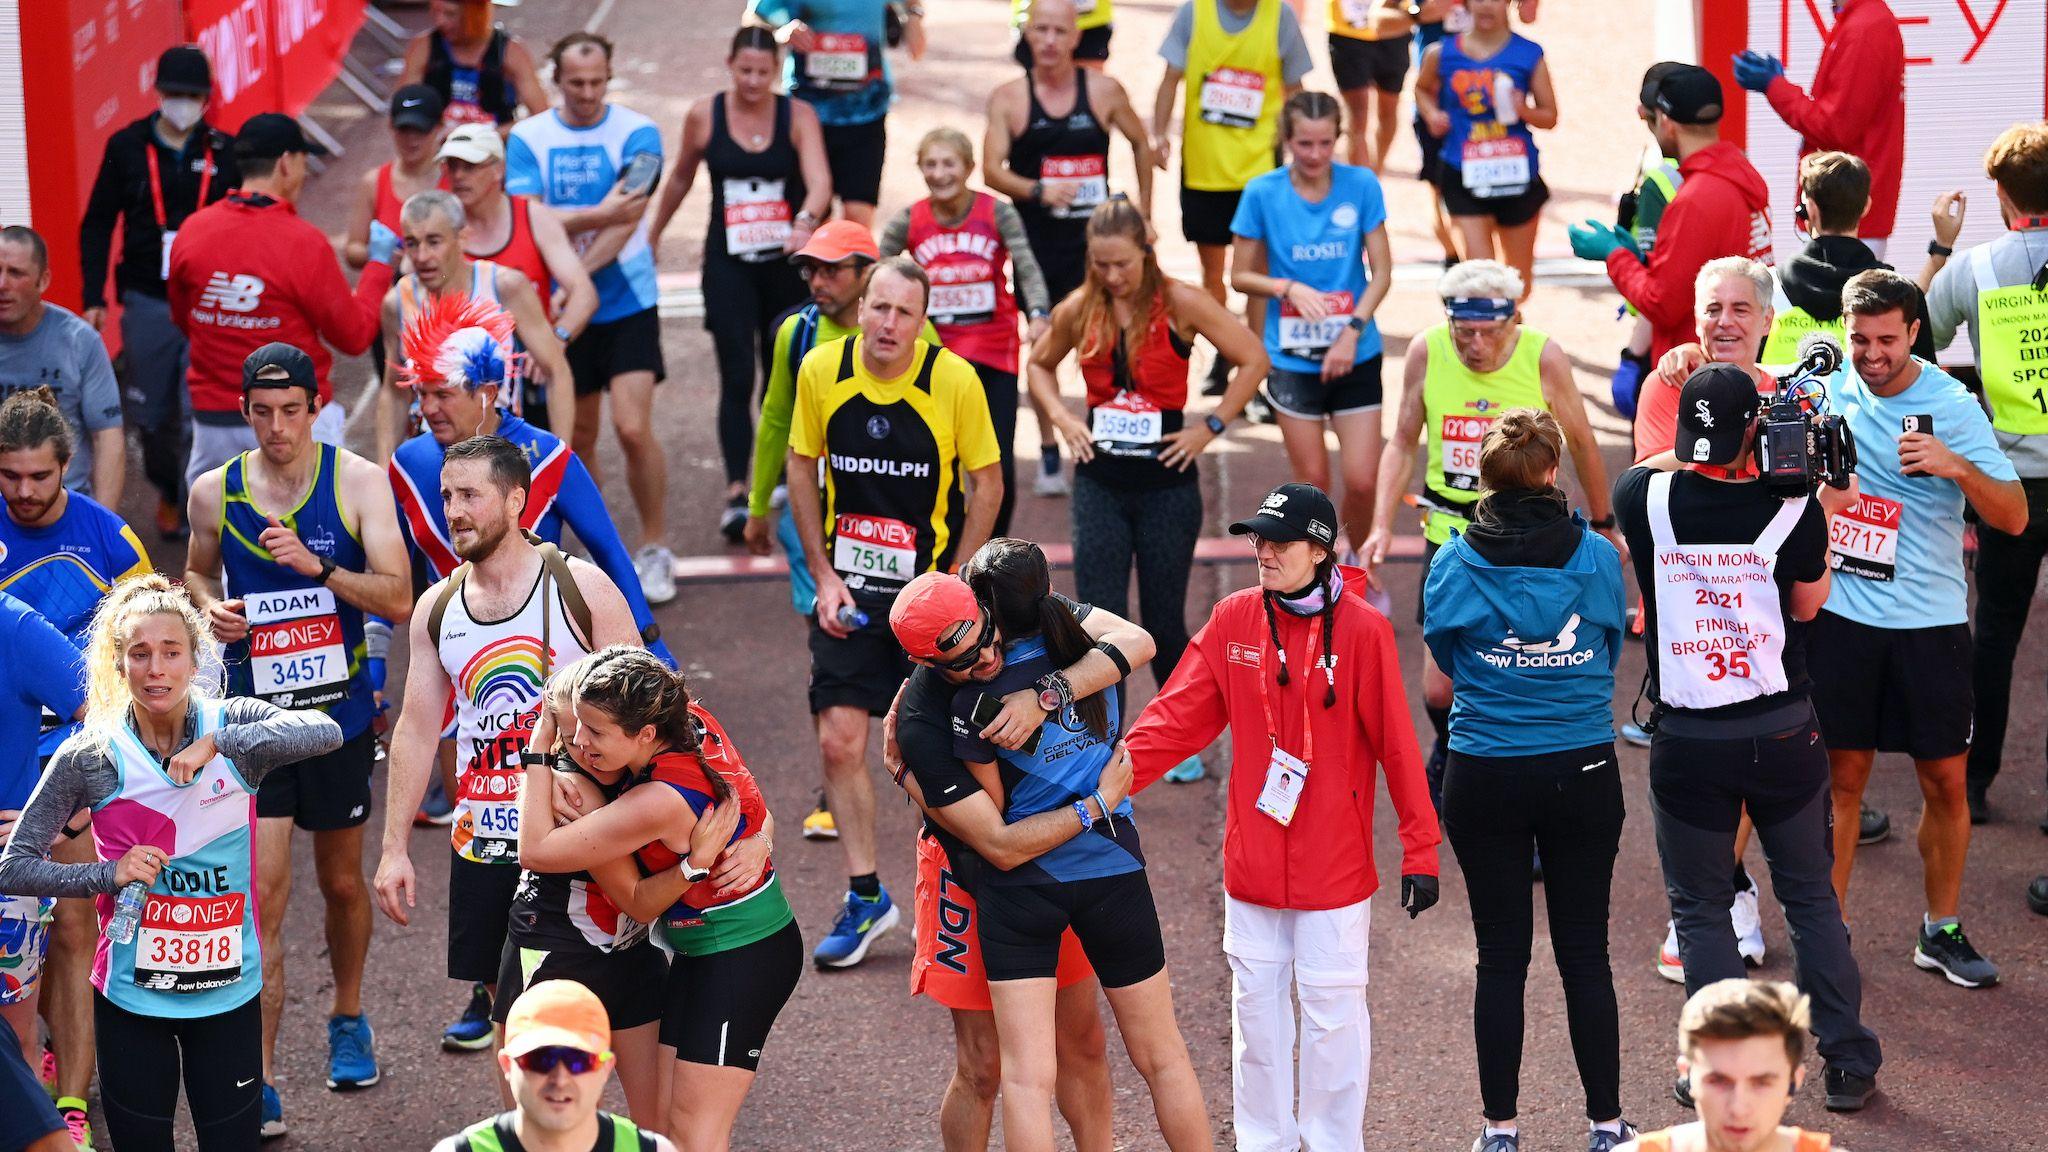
column 655, row 566
column 1749, row 926
column 1668, row 964
column 1051, row 484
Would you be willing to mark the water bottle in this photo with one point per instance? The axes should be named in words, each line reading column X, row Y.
column 1507, row 103
column 127, row 913
column 851, row 617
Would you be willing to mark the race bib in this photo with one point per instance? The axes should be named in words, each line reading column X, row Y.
column 1864, row 541
column 959, row 304
column 1128, row 425
column 1300, row 336
column 189, row 943
column 839, row 61
column 486, row 825
column 757, row 219
column 1493, row 168
column 874, row 547
column 1286, row 775
column 1088, row 176
column 1233, row 97
column 295, row 651
column 1461, row 436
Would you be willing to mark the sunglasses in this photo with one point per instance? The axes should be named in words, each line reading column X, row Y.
column 958, row 632
column 542, row 1061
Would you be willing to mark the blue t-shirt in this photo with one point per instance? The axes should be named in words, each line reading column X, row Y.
column 846, row 81
column 29, row 684
column 1323, row 246
column 1066, row 767
column 1919, row 517
column 571, row 167
column 1467, row 98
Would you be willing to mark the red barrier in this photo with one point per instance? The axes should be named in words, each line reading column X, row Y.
column 270, row 55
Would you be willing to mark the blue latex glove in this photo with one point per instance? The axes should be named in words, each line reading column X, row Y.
column 1593, row 240
column 383, row 243
column 1628, row 383
column 1754, row 71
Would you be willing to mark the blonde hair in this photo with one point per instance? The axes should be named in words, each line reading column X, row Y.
column 107, row 696
column 1738, row 1009
column 1520, row 450
column 952, row 139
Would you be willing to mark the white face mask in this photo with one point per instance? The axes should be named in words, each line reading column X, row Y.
column 183, row 111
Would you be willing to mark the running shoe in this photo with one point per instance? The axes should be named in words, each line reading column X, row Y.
column 436, row 809
column 1219, row 377
column 1947, row 951
column 72, row 1109
column 170, row 521
column 1846, row 1091
column 1872, row 826
column 732, row 523
column 818, row 825
column 471, row 1031
column 1636, row 734
column 273, row 1114
column 1669, row 966
column 2037, row 895
column 860, row 924
column 1748, row 923
column 1601, row 1140
column 351, row 1053
column 49, row 1073
column 1980, row 804
column 655, row 566
column 1187, row 771
column 1053, row 483
column 1498, row 1142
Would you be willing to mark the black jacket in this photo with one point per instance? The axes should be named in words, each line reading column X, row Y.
column 1813, row 281
column 121, row 193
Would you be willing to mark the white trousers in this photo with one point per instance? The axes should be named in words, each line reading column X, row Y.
column 1321, row 957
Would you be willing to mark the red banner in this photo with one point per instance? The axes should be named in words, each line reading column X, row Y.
column 270, row 55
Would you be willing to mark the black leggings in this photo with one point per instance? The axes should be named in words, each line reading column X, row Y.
column 742, row 303
column 1001, row 388
column 222, row 1068
column 1497, row 811
column 1155, row 526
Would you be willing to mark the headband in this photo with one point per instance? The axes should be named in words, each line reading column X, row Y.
column 1479, row 308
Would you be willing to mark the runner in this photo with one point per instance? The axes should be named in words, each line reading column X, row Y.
column 416, row 138
column 1891, row 649
column 964, row 834
column 291, row 545
column 482, row 75
column 1433, row 21
column 1482, row 90
column 1298, row 873
column 1092, row 20
column 736, row 953
column 1369, row 45
column 837, row 65
column 485, row 640
column 596, row 161
column 431, row 223
column 909, row 476
column 1458, row 377
column 1305, row 234
column 59, row 553
column 558, row 1053
column 46, row 345
column 1528, row 622
column 1244, row 59
column 1137, row 492
column 962, row 239
column 768, row 196
column 180, row 963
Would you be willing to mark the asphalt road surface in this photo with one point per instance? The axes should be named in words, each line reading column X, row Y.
column 855, row 1063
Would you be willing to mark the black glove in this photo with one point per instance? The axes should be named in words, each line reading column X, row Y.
column 1418, row 894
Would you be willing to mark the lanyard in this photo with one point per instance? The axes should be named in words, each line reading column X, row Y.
column 156, row 184
column 1308, row 731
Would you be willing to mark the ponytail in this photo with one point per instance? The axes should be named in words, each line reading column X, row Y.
column 1011, row 577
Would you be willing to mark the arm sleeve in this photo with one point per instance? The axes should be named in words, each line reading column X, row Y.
column 1806, row 550
column 896, row 233
column 522, row 169
column 583, row 509
column 67, row 785
column 1179, row 34
column 99, row 395
column 771, row 435
column 1969, row 435
column 259, row 736
column 1390, row 731
column 928, row 752
column 1295, row 61
column 646, row 138
column 1188, row 713
column 1438, row 633
column 1249, row 219
column 1650, row 205
column 1023, row 262
column 349, row 320
column 96, row 228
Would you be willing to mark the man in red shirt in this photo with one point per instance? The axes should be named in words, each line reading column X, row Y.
column 246, row 271
column 1858, row 105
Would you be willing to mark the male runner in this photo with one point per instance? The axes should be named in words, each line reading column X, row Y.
column 486, row 639
column 291, row 544
column 516, row 231
column 890, row 427
column 59, row 553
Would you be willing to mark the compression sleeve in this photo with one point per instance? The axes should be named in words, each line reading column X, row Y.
column 582, row 508
column 1023, row 262
column 771, row 435
column 79, row 776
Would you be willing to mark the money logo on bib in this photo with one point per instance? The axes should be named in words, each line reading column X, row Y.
column 1233, row 97
column 1128, row 425
column 838, row 62
column 189, row 943
column 1495, row 168
column 1864, row 540
column 874, row 546
column 1088, row 176
column 295, row 649
column 757, row 219
column 1309, row 339
column 1461, row 436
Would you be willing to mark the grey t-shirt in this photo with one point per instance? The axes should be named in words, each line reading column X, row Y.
column 1952, row 303
column 64, row 352
column 1295, row 61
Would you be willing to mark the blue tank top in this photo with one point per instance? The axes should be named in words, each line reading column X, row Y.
column 1503, row 155
column 305, row 646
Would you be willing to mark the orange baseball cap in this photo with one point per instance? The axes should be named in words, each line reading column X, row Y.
column 557, row 1014
column 839, row 240
column 927, row 609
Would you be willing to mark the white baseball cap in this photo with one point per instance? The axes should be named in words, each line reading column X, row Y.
column 475, row 143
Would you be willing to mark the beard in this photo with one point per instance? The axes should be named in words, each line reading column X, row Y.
column 483, row 540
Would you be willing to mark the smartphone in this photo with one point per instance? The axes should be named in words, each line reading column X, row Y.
column 1916, row 422
column 641, row 174
column 987, row 708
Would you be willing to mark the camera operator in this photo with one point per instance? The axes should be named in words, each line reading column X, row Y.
column 1727, row 567
column 1891, row 650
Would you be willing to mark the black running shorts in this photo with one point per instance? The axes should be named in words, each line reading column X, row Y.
column 327, row 793
column 1114, row 917
column 1891, row 689
column 718, row 1009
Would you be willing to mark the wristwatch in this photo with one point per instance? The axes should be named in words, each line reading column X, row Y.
column 1054, row 693
column 326, row 570
column 1356, row 323
column 1603, row 523
column 1215, row 424
column 1937, row 248
column 693, row 874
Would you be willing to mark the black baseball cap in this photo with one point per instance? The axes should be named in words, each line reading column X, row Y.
column 268, row 135
column 1654, row 79
column 183, row 70
column 1689, row 94
column 1292, row 512
column 416, row 106
column 276, row 357
column 1715, row 408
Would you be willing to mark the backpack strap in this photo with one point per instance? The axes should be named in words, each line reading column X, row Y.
column 449, row 589
column 559, row 573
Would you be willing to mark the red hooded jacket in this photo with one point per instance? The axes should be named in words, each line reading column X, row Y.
column 1859, row 106
column 247, row 271
column 1723, row 208
column 1323, row 859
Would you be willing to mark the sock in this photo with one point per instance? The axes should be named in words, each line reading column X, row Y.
column 1492, row 1130
column 1742, row 880
column 1934, row 925
column 1611, row 1127
column 865, row 886
column 67, row 1103
column 1049, row 459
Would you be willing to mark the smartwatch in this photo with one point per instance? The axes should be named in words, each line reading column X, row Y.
column 692, row 874
column 326, row 570
column 1602, row 524
column 1937, row 248
column 1356, row 323
column 1214, row 423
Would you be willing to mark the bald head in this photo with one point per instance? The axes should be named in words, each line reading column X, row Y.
column 1051, row 32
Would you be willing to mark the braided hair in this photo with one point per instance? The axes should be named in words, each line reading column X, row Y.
column 632, row 687
column 1326, row 661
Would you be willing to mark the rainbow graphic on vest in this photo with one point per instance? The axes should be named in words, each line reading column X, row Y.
column 502, row 675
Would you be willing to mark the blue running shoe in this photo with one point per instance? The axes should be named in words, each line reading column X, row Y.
column 351, row 1053
column 1187, row 771
column 273, row 1114
column 860, row 924
column 471, row 1031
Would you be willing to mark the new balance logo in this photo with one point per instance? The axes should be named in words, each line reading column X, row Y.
column 239, row 293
